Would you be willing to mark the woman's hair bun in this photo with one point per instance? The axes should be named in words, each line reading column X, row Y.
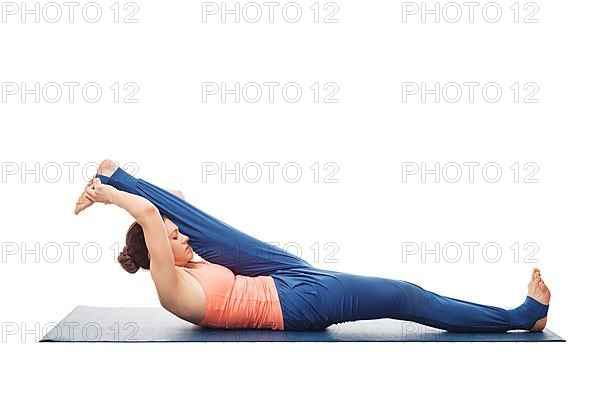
column 135, row 252
column 127, row 262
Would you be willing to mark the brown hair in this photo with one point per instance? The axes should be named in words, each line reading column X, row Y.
column 135, row 253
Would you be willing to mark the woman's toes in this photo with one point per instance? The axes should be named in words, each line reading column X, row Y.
column 82, row 203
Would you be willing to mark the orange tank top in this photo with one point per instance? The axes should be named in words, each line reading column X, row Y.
column 238, row 301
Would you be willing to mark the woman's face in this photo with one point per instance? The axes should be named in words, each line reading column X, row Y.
column 182, row 252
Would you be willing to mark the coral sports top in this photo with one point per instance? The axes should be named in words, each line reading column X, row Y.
column 237, row 301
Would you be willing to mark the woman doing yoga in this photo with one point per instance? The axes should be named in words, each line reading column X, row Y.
column 242, row 282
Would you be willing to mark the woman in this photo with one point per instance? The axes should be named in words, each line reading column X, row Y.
column 242, row 282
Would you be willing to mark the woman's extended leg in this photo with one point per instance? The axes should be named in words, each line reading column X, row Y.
column 212, row 239
column 315, row 299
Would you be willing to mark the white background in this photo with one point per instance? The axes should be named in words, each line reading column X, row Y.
column 171, row 135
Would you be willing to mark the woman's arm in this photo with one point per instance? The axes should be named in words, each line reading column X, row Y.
column 139, row 207
column 162, row 263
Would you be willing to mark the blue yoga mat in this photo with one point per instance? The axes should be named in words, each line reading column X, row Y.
column 155, row 324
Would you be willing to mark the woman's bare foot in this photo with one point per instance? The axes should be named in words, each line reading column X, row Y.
column 106, row 168
column 540, row 292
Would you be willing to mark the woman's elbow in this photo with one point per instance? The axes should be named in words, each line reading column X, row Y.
column 147, row 211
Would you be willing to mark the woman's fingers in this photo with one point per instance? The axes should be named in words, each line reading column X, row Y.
column 90, row 193
column 95, row 182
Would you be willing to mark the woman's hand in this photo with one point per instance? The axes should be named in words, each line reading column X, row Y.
column 98, row 192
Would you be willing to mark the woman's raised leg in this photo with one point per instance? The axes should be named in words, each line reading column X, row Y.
column 211, row 238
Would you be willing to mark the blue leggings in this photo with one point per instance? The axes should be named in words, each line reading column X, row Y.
column 313, row 298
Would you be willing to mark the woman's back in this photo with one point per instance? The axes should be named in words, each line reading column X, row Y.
column 236, row 301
